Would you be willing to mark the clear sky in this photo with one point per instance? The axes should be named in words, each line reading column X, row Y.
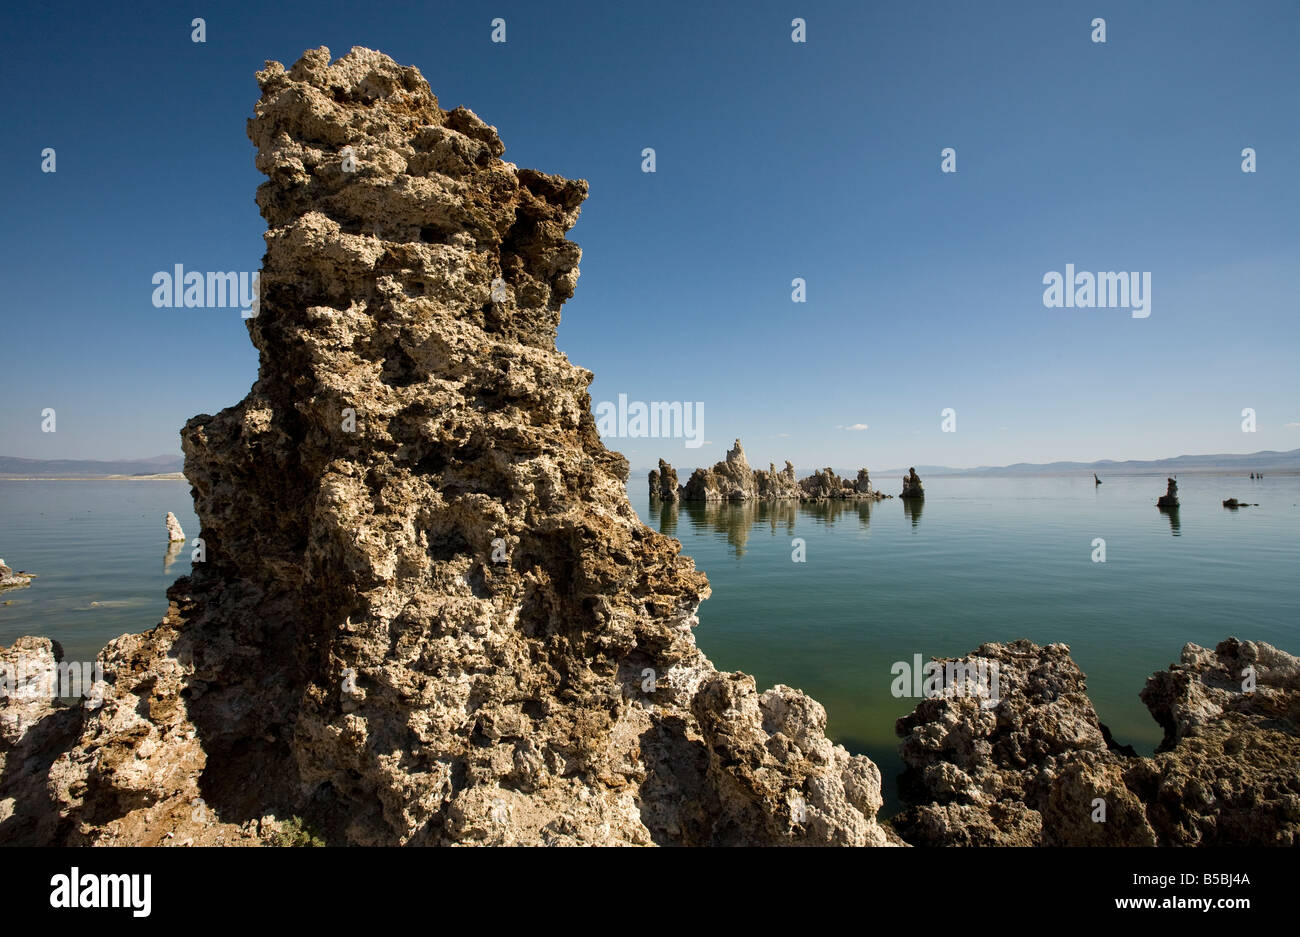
column 774, row 160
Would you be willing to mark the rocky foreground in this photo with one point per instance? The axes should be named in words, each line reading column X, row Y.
column 428, row 615
column 1039, row 768
column 734, row 480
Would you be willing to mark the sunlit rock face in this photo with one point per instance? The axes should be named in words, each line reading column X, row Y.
column 426, row 612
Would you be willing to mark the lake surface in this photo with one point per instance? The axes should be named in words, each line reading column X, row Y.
column 990, row 559
column 101, row 542
column 987, row 559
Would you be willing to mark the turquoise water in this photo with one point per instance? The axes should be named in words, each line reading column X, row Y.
column 988, row 559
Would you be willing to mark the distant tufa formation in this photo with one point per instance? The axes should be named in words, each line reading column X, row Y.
column 912, row 486
column 428, row 613
column 734, row 480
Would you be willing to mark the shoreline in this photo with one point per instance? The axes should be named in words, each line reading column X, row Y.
column 163, row 477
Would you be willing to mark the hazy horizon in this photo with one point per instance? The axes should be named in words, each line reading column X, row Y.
column 689, row 465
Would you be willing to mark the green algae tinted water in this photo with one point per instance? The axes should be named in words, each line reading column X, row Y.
column 990, row 559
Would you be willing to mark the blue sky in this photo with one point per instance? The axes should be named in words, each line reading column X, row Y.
column 775, row 160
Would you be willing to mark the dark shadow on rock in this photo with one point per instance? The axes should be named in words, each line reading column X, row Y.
column 676, row 764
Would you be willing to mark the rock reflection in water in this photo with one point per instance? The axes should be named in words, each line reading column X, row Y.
column 736, row 519
column 173, row 551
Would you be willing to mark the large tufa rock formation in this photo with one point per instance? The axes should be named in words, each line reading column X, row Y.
column 1036, row 768
column 734, row 480
column 428, row 613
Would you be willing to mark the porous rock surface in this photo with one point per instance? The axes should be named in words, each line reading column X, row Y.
column 1035, row 768
column 427, row 612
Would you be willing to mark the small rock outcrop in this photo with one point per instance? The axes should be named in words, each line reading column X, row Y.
column 1039, row 768
column 826, row 484
column 663, row 483
column 776, row 486
column 428, row 613
column 13, row 580
column 174, row 532
column 734, row 480
column 1170, row 498
column 912, row 486
column 1233, row 503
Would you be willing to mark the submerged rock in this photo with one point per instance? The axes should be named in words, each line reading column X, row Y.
column 1039, row 768
column 428, row 613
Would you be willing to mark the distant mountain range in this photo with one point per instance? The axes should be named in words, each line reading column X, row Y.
column 158, row 465
column 1267, row 460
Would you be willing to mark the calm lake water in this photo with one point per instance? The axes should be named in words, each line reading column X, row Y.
column 987, row 559
column 990, row 559
column 90, row 542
